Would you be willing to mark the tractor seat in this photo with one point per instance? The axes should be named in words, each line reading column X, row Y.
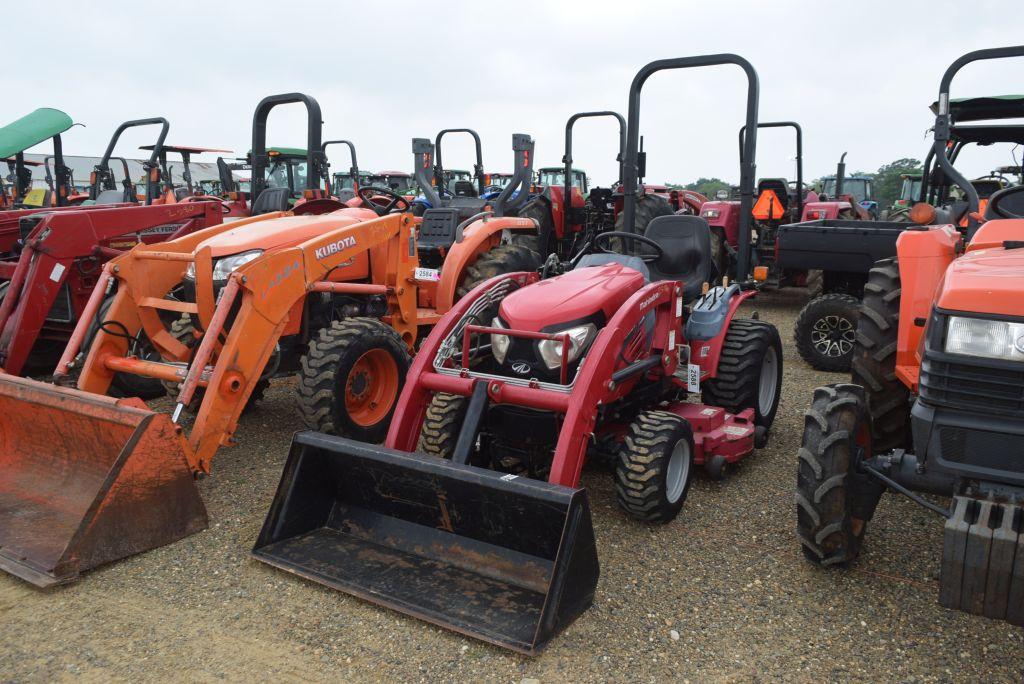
column 685, row 242
column 180, row 193
column 438, row 229
column 110, row 197
column 777, row 185
column 271, row 199
column 467, row 206
column 629, row 261
column 464, row 188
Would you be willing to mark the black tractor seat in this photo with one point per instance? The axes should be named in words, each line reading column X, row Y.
column 270, row 200
column 1008, row 199
column 685, row 242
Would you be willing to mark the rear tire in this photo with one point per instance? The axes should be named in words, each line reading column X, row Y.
column 825, row 332
column 833, row 501
column 351, row 378
column 655, row 466
column 442, row 424
column 538, row 209
column 719, row 253
column 874, row 358
column 749, row 371
column 499, row 260
column 647, row 208
column 815, row 283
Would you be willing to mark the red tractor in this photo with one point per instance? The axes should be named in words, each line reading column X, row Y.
column 471, row 514
column 936, row 405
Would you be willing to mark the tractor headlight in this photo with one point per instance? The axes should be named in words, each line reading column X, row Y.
column 499, row 343
column 712, row 213
column 579, row 338
column 222, row 268
column 986, row 338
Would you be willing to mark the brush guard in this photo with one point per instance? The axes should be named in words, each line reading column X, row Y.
column 86, row 480
column 505, row 559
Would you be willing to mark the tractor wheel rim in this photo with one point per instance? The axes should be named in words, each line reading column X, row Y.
column 371, row 388
column 833, row 335
column 768, row 383
column 678, row 471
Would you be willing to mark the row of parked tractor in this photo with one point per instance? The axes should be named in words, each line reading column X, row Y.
column 463, row 352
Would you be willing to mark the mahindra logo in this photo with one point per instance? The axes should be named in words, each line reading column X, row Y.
column 521, row 367
column 335, row 247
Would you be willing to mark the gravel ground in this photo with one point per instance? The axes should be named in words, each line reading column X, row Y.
column 723, row 593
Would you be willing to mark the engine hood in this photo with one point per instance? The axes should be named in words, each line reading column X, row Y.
column 571, row 297
column 987, row 281
column 279, row 233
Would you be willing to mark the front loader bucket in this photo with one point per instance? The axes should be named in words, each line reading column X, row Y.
column 85, row 480
column 501, row 558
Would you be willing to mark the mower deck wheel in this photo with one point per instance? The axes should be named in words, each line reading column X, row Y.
column 825, row 331
column 874, row 358
column 351, row 377
column 441, row 425
column 833, row 501
column 749, row 371
column 655, row 466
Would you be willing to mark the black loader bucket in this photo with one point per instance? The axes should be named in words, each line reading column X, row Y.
column 501, row 558
column 85, row 480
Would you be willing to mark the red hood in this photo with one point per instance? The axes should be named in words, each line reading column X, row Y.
column 570, row 297
column 987, row 281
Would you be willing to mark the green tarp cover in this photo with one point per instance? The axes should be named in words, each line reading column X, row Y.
column 979, row 108
column 32, row 129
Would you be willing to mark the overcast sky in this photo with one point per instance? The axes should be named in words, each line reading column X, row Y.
column 858, row 76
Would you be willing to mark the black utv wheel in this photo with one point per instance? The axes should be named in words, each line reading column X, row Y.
column 655, row 465
column 441, row 425
column 825, row 331
column 749, row 373
column 834, row 502
column 496, row 261
column 874, row 358
column 647, row 208
column 351, row 378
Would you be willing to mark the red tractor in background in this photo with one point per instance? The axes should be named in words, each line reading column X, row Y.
column 936, row 403
column 624, row 349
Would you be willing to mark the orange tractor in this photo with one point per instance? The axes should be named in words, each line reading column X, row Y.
column 337, row 299
column 937, row 399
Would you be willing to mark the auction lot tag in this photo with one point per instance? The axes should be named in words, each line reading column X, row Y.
column 692, row 377
column 430, row 274
column 57, row 272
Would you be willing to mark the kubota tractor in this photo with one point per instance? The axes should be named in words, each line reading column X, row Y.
column 937, row 400
column 337, row 298
column 485, row 530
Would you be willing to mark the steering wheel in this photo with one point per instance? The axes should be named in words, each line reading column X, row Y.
column 602, row 239
column 995, row 200
column 367, row 193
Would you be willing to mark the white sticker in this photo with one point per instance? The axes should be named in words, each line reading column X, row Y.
column 429, row 274
column 708, row 412
column 679, row 307
column 692, row 377
column 508, row 478
column 735, row 430
column 671, row 339
column 57, row 272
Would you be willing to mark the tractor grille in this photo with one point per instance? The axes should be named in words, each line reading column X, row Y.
column 974, row 386
column 982, row 448
column 61, row 311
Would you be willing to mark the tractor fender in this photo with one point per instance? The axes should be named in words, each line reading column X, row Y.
column 480, row 236
column 706, row 352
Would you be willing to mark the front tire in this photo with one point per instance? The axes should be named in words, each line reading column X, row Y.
column 127, row 384
column 834, row 502
column 825, row 332
column 442, row 424
column 351, row 377
column 749, row 371
column 655, row 465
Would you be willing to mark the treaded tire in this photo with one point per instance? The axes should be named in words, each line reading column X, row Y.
column 125, row 384
column 325, row 370
column 833, row 502
column 747, row 347
column 442, row 424
column 642, row 475
column 720, row 253
column 538, row 209
column 182, row 330
column 815, row 283
column 647, row 208
column 874, row 358
column 843, row 310
column 496, row 261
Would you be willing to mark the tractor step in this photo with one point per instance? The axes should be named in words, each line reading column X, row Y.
column 502, row 558
column 983, row 559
